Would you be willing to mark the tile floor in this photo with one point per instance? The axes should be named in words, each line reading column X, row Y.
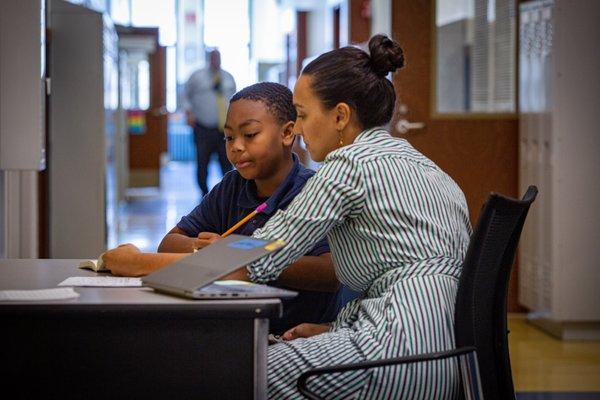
column 542, row 363
column 150, row 213
column 544, row 368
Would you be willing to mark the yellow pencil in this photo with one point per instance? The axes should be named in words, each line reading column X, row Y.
column 258, row 210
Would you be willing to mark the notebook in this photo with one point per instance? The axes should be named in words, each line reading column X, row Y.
column 194, row 276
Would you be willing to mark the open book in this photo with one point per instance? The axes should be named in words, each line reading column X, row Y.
column 94, row 265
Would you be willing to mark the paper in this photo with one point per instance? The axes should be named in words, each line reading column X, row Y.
column 38, row 294
column 101, row 281
column 233, row 282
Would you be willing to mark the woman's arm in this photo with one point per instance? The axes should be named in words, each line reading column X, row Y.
column 308, row 273
column 332, row 196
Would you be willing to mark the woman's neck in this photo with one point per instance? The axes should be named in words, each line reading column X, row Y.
column 351, row 132
column 266, row 187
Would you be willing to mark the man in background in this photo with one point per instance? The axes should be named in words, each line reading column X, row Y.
column 206, row 98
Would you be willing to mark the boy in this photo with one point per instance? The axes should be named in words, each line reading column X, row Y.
column 259, row 138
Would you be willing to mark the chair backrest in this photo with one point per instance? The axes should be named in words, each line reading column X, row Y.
column 480, row 314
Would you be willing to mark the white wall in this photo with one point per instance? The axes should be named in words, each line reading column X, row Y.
column 381, row 17
column 320, row 26
column 269, row 26
column 227, row 26
column 559, row 151
column 320, row 23
column 190, row 38
column 576, row 95
column 21, row 125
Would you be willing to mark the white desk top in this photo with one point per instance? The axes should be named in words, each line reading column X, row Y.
column 19, row 274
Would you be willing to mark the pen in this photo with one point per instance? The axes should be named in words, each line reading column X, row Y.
column 258, row 210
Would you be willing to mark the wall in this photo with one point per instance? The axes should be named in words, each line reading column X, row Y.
column 21, row 125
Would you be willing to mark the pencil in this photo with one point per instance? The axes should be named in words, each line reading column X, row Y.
column 248, row 217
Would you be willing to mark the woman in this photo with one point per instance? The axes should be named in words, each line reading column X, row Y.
column 398, row 228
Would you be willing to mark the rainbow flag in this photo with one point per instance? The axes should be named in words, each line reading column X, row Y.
column 136, row 122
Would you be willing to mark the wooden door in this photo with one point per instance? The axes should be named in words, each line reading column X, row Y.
column 359, row 30
column 148, row 134
column 480, row 152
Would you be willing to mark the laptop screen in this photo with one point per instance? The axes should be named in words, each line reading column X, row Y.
column 210, row 263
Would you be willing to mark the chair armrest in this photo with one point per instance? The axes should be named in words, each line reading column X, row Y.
column 302, row 380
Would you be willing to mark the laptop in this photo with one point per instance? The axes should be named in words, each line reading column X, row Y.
column 197, row 275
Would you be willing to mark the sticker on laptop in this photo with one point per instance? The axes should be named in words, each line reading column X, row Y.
column 247, row 244
column 275, row 245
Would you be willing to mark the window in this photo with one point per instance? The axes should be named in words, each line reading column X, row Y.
column 227, row 27
column 160, row 13
column 475, row 56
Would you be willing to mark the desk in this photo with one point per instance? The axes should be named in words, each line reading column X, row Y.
column 128, row 342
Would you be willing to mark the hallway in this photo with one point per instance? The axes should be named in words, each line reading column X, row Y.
column 151, row 212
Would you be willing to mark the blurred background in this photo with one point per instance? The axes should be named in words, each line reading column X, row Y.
column 95, row 149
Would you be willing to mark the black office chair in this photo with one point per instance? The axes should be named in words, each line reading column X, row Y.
column 480, row 315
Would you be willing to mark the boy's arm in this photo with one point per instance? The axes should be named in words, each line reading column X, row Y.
column 308, row 273
column 127, row 260
column 311, row 273
column 186, row 236
column 177, row 241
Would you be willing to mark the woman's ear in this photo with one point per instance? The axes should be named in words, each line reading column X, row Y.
column 287, row 133
column 343, row 113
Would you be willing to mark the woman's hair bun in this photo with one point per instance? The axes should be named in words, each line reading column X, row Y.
column 386, row 55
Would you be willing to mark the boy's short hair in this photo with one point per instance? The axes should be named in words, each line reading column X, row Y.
column 276, row 97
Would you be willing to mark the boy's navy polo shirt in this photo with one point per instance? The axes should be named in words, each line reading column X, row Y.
column 235, row 197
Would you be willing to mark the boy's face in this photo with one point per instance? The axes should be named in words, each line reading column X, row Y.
column 257, row 143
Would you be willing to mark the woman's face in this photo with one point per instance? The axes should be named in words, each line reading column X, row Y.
column 315, row 124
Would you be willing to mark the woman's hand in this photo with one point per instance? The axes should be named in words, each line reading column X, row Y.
column 206, row 238
column 120, row 260
column 304, row 331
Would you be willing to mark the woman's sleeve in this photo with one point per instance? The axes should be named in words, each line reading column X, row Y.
column 334, row 194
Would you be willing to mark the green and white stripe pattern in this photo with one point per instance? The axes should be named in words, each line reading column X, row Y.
column 398, row 228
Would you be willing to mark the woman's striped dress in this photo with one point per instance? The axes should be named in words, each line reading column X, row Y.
column 398, row 228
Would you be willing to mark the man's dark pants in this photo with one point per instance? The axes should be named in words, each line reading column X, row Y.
column 209, row 141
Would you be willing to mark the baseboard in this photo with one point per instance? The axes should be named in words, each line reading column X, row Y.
column 567, row 330
column 144, row 177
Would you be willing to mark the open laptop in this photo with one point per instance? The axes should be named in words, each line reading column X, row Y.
column 194, row 276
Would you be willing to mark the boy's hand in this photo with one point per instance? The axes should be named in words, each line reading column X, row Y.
column 119, row 260
column 206, row 238
column 305, row 331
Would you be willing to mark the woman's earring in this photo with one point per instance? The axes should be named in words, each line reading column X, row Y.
column 341, row 139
